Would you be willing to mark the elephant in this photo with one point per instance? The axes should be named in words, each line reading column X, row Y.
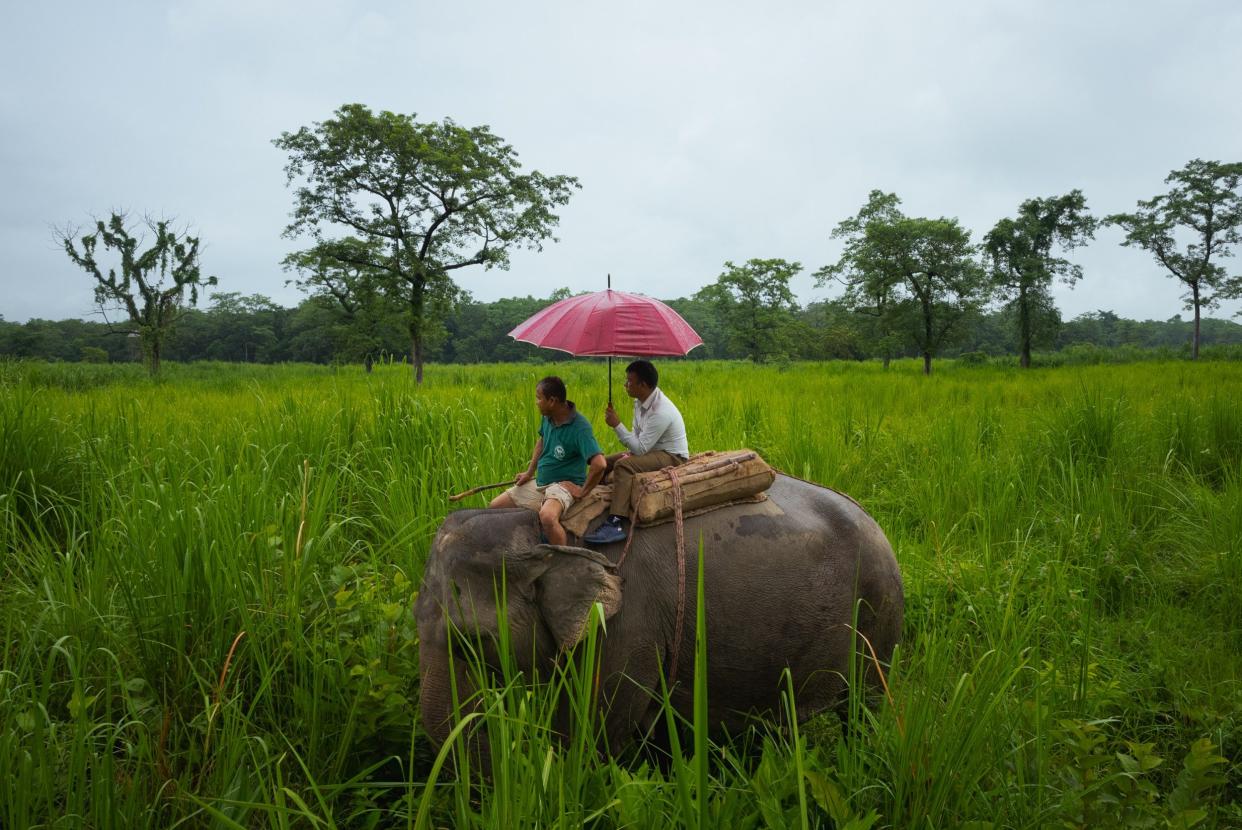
column 787, row 583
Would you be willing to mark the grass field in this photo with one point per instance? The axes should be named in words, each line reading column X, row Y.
column 208, row 579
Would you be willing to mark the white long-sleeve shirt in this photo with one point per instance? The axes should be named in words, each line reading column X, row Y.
column 658, row 425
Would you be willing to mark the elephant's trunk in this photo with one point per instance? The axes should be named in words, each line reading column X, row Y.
column 436, row 703
column 435, row 698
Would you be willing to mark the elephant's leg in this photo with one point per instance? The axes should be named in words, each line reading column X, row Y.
column 631, row 699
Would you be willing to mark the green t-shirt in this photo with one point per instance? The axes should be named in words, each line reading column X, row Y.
column 566, row 449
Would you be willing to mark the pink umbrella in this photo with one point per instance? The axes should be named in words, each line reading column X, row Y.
column 610, row 323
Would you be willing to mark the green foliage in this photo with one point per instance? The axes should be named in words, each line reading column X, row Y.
column 340, row 275
column 423, row 199
column 972, row 359
column 1116, row 788
column 1023, row 268
column 94, row 354
column 319, row 330
column 916, row 276
column 1205, row 203
column 140, row 286
column 756, row 305
column 1063, row 534
column 479, row 332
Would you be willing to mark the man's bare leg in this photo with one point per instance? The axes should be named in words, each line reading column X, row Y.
column 550, row 520
column 503, row 500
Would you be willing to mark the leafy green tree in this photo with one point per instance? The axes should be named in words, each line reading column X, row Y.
column 314, row 330
column 832, row 331
column 245, row 327
column 423, row 199
column 992, row 333
column 1205, row 204
column 479, row 332
column 339, row 271
column 141, row 287
column 1023, row 268
column 915, row 275
column 703, row 315
column 756, row 305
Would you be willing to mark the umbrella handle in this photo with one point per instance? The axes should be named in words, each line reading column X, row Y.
column 610, row 356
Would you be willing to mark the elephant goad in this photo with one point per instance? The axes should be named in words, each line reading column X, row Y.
column 785, row 582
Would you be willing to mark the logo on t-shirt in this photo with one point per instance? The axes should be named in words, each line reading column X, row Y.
column 559, row 452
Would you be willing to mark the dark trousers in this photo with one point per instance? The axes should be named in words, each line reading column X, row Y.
column 623, row 475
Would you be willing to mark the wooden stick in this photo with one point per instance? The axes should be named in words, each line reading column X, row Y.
column 480, row 489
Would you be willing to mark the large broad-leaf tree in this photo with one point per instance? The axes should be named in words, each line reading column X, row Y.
column 425, row 199
column 756, row 305
column 1203, row 206
column 150, row 284
column 916, row 275
column 1020, row 252
column 246, row 327
column 339, row 272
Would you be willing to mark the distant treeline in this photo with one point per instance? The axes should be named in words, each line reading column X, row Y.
column 253, row 329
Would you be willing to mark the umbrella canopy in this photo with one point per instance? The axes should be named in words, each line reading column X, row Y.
column 609, row 323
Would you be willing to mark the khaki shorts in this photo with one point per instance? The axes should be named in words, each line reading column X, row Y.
column 531, row 496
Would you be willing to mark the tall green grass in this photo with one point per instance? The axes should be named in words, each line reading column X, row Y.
column 207, row 584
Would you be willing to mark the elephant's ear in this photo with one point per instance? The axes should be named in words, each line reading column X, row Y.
column 575, row 580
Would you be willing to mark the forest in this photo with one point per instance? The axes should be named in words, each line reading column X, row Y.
column 252, row 329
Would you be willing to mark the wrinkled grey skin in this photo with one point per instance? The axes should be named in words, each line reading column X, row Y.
column 780, row 592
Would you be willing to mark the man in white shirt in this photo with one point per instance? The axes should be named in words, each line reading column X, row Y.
column 658, row 441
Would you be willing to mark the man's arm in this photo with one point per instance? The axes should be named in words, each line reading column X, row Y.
column 654, row 427
column 595, row 471
column 529, row 472
column 624, row 435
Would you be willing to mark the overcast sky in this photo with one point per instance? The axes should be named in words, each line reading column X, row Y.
column 701, row 132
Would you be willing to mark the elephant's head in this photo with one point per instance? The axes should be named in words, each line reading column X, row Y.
column 486, row 560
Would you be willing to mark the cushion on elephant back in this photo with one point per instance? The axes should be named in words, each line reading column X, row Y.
column 707, row 480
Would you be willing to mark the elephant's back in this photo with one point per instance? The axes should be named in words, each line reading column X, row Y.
column 799, row 520
column 804, row 541
column 785, row 582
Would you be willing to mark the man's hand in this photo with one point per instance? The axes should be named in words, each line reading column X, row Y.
column 573, row 489
column 522, row 478
column 610, row 416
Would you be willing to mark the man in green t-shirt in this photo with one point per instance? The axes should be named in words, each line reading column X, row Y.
column 566, row 465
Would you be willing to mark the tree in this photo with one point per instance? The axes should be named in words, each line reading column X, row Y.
column 152, row 305
column 917, row 275
column 831, row 331
column 423, row 199
column 703, row 315
column 1023, row 268
column 338, row 272
column 314, row 330
column 1204, row 203
column 479, row 332
column 756, row 304
column 245, row 327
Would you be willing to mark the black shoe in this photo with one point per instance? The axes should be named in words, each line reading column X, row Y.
column 607, row 533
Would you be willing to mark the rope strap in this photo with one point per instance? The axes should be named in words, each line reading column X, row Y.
column 679, row 519
column 681, row 573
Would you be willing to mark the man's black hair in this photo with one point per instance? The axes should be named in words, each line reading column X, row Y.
column 644, row 371
column 553, row 387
